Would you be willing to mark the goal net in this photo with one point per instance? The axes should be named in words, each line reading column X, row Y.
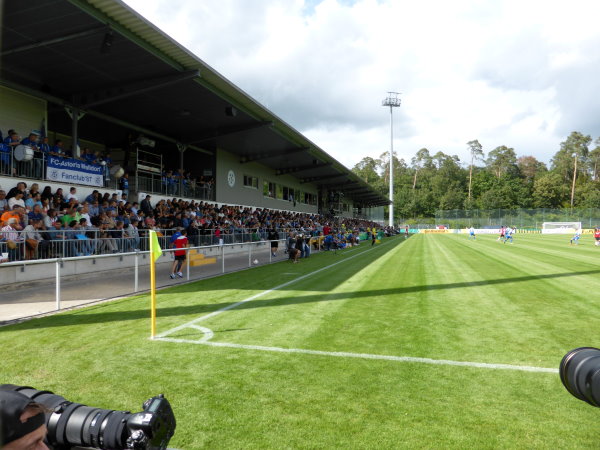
column 560, row 227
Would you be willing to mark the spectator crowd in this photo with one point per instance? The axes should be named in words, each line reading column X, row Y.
column 38, row 224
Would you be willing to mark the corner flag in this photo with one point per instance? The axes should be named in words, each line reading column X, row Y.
column 155, row 252
column 155, row 246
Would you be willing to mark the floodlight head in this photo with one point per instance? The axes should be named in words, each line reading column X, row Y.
column 107, row 42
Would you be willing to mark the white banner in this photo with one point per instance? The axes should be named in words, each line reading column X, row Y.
column 68, row 170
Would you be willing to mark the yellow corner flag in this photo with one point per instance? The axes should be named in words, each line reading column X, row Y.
column 155, row 246
column 155, row 253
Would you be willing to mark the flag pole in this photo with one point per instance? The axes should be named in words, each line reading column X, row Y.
column 152, row 285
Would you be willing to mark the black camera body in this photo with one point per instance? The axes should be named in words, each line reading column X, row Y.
column 73, row 425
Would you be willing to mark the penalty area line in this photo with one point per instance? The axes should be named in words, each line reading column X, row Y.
column 260, row 294
column 409, row 359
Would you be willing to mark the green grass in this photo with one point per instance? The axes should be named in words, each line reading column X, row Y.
column 432, row 296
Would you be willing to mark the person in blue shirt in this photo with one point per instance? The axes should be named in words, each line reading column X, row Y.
column 58, row 149
column 44, row 146
column 32, row 141
column 5, row 158
column 124, row 184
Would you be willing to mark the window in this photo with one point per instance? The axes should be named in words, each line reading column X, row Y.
column 269, row 189
column 250, row 181
column 279, row 189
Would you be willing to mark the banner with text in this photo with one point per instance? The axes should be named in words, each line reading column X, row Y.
column 68, row 170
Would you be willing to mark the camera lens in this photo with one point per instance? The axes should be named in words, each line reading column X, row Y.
column 580, row 374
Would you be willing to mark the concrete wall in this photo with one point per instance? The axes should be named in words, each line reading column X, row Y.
column 21, row 112
column 238, row 194
column 12, row 273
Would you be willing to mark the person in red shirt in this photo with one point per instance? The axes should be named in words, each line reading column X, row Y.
column 597, row 236
column 180, row 254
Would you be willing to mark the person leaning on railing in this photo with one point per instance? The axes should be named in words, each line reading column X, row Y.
column 35, row 245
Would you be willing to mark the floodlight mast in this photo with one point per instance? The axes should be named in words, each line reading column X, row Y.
column 392, row 101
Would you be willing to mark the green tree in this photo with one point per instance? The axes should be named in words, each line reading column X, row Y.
column 367, row 169
column 476, row 154
column 530, row 168
column 594, row 160
column 549, row 191
column 502, row 160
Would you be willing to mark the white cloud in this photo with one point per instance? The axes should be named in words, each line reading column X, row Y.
column 522, row 74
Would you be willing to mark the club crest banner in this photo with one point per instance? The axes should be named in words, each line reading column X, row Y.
column 69, row 170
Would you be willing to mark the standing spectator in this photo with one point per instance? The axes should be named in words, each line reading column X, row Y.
column 274, row 238
column 33, row 240
column 134, row 235
column 180, row 243
column 147, row 206
column 58, row 149
column 124, row 185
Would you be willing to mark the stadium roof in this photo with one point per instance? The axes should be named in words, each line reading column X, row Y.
column 105, row 59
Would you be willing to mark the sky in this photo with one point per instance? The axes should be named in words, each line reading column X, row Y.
column 521, row 73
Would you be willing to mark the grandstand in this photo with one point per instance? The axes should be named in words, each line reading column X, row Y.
column 145, row 131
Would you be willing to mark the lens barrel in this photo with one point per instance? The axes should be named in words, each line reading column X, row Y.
column 580, row 374
column 72, row 424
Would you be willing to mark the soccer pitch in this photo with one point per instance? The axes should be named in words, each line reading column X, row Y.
column 431, row 342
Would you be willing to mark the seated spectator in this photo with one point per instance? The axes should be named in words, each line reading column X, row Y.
column 72, row 194
column 17, row 199
column 58, row 200
column 20, row 187
column 14, row 239
column 36, row 213
column 106, row 243
column 47, row 193
column 50, row 218
column 3, row 201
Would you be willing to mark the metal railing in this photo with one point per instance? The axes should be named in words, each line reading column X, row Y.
column 35, row 168
column 64, row 243
column 158, row 184
column 86, row 279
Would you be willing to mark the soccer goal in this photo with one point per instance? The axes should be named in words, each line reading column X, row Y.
column 560, row 227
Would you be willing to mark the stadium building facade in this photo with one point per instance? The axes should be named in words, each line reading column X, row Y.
column 95, row 73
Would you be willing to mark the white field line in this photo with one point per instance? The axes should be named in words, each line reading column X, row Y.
column 260, row 294
column 208, row 334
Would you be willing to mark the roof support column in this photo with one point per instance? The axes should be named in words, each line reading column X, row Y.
column 75, row 115
column 182, row 148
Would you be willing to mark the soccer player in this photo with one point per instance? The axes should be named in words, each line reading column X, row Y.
column 471, row 233
column 508, row 234
column 180, row 243
column 502, row 230
column 597, row 236
column 575, row 238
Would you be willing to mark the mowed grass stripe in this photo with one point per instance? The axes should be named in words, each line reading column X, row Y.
column 529, row 295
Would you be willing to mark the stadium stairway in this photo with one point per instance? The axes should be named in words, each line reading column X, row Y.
column 199, row 259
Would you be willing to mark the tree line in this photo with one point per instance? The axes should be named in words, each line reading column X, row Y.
column 500, row 179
